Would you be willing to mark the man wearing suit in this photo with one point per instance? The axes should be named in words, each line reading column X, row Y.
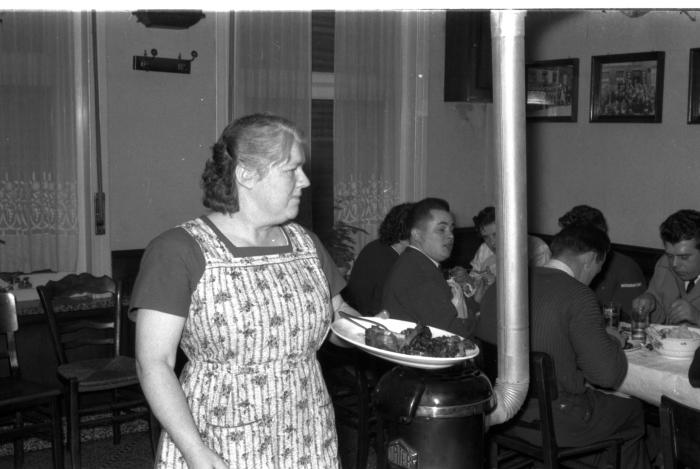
column 416, row 289
column 672, row 296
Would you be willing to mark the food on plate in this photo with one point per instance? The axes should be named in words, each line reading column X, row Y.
column 680, row 332
column 418, row 341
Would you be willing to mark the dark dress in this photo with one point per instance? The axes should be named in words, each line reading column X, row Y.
column 367, row 277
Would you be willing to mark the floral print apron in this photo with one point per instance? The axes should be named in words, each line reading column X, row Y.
column 252, row 382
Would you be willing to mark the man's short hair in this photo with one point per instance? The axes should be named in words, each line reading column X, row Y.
column 486, row 216
column 420, row 212
column 580, row 239
column 584, row 215
column 681, row 226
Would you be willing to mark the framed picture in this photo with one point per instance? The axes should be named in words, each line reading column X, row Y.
column 627, row 87
column 552, row 90
column 694, row 87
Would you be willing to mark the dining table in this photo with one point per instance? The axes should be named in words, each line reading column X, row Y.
column 651, row 375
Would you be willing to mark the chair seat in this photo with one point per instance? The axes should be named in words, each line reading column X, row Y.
column 16, row 392
column 101, row 373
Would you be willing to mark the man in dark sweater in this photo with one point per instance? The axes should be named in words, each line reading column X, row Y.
column 566, row 322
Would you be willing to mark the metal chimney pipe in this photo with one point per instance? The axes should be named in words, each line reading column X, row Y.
column 507, row 51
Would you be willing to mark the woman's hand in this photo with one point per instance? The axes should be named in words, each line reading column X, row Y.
column 205, row 458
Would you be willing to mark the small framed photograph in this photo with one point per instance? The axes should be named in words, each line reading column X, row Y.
column 627, row 87
column 694, row 87
column 552, row 90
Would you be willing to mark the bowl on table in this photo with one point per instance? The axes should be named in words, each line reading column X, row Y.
column 674, row 341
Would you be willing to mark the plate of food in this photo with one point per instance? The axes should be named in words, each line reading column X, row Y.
column 406, row 343
column 632, row 345
column 674, row 341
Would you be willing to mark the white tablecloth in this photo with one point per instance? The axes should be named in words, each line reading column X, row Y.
column 650, row 375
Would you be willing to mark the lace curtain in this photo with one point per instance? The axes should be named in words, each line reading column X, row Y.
column 272, row 65
column 38, row 174
column 379, row 114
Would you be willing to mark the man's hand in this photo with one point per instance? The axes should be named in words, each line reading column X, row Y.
column 644, row 303
column 683, row 311
column 615, row 333
column 458, row 299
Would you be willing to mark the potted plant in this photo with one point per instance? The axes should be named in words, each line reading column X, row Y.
column 340, row 243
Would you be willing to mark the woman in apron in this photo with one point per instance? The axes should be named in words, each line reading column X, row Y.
column 249, row 297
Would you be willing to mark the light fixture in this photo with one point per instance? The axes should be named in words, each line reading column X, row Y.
column 169, row 19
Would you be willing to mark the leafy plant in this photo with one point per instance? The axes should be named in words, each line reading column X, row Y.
column 341, row 245
column 339, row 239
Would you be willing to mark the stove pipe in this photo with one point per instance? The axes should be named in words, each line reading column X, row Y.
column 507, row 51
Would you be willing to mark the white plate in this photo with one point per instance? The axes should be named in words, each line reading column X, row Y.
column 355, row 335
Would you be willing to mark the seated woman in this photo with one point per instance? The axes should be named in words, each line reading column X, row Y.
column 371, row 268
column 483, row 265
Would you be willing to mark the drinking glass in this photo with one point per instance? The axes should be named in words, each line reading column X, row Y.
column 611, row 313
column 639, row 321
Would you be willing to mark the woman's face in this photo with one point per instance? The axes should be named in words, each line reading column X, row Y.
column 278, row 193
column 488, row 234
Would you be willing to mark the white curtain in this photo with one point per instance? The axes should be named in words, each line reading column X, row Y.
column 38, row 175
column 379, row 114
column 272, row 65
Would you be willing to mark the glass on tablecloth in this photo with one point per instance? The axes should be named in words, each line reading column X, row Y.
column 611, row 313
column 639, row 321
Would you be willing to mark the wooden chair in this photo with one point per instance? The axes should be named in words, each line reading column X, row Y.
column 509, row 451
column 26, row 408
column 680, row 438
column 84, row 317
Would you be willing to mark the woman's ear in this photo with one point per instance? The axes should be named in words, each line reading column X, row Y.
column 245, row 177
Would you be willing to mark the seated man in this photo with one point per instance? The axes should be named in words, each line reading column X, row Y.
column 621, row 279
column 483, row 265
column 371, row 268
column 566, row 323
column 671, row 298
column 416, row 289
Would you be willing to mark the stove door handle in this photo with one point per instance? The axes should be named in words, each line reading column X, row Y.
column 413, row 405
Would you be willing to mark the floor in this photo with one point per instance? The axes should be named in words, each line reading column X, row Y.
column 134, row 452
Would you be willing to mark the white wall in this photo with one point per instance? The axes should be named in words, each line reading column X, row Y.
column 159, row 127
column 460, row 163
column 637, row 174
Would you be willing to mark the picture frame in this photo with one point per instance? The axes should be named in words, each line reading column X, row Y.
column 627, row 87
column 552, row 90
column 694, row 87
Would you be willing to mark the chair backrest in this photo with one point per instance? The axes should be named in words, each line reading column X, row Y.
column 543, row 387
column 680, row 438
column 84, row 314
column 8, row 326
